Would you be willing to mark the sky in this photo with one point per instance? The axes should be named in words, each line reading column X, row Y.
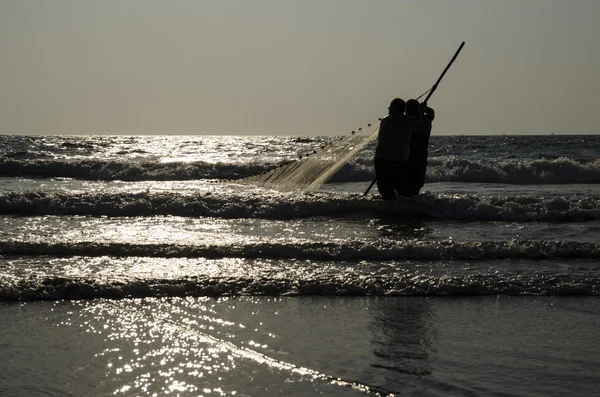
column 296, row 67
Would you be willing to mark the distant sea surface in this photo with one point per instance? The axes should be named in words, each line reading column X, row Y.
column 137, row 265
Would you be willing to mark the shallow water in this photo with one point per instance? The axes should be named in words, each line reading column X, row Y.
column 139, row 266
column 250, row 346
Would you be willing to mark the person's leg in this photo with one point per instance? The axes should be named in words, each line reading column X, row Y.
column 416, row 179
column 408, row 184
column 422, row 172
column 403, row 179
column 385, row 183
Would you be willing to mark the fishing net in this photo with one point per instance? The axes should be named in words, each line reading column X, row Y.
column 309, row 172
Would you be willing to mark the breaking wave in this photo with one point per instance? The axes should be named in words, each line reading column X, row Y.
column 557, row 171
column 441, row 169
column 290, row 206
column 346, row 251
column 520, row 172
column 126, row 171
column 59, row 287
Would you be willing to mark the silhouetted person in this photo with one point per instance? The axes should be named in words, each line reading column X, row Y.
column 418, row 146
column 393, row 150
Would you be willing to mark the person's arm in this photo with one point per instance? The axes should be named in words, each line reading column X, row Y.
column 423, row 120
column 422, row 110
column 429, row 114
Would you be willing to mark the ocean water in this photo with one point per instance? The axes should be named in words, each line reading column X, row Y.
column 137, row 266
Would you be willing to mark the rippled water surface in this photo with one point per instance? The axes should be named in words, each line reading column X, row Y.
column 302, row 346
column 141, row 266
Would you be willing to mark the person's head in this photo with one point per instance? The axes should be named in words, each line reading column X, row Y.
column 397, row 106
column 412, row 108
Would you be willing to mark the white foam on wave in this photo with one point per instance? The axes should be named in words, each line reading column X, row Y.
column 408, row 284
column 441, row 169
column 556, row 171
column 353, row 250
column 227, row 201
column 562, row 170
column 127, row 170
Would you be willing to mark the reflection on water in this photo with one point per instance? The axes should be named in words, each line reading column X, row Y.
column 401, row 228
column 189, row 347
column 402, row 336
column 147, row 355
column 307, row 346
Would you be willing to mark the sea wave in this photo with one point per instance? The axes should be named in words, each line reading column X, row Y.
column 441, row 169
column 348, row 250
column 289, row 206
column 557, row 171
column 127, row 170
column 61, row 287
column 561, row 170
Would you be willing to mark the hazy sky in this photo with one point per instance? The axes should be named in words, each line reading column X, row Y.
column 296, row 67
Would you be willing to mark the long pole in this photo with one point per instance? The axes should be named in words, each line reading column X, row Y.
column 431, row 91
column 444, row 72
column 370, row 186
